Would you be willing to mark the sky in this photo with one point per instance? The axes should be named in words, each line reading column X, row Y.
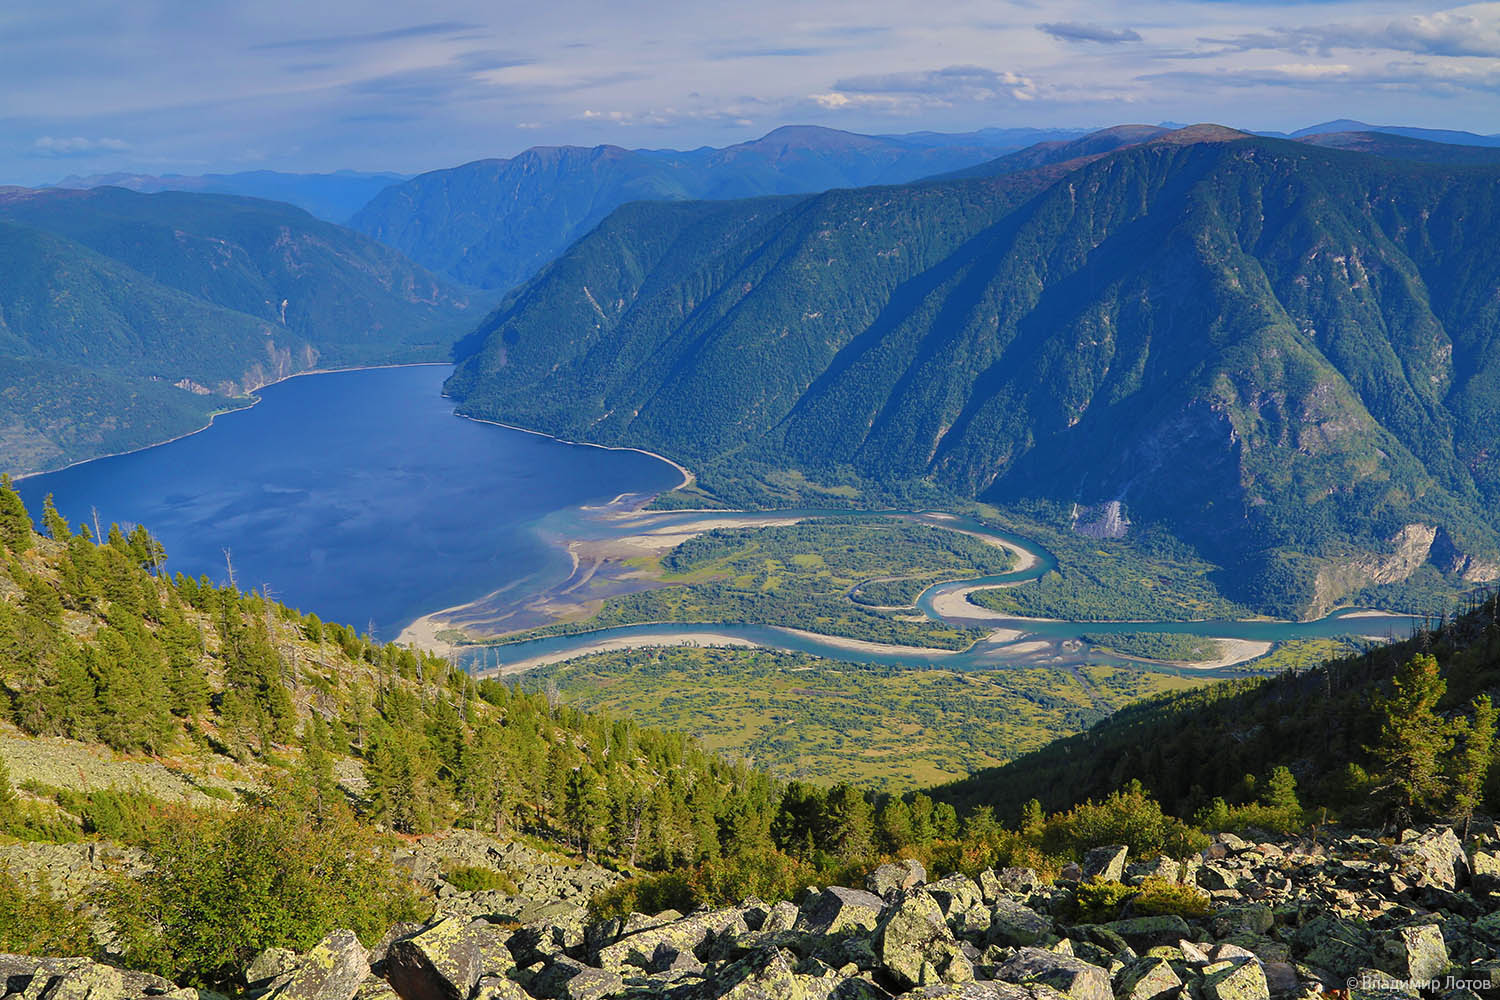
column 166, row 86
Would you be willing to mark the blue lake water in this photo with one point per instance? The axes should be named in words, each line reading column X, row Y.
column 356, row 495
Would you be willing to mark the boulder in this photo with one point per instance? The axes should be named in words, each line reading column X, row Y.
column 1241, row 980
column 983, row 990
column 1016, row 925
column 954, row 894
column 766, row 974
column 375, row 988
column 1434, row 858
column 687, row 935
column 1145, row 933
column 267, row 967
column 26, row 977
column 836, row 910
column 498, row 988
column 1146, row 979
column 334, row 969
column 1104, row 863
column 915, row 948
column 1251, row 919
column 444, row 960
column 907, row 873
column 1071, row 977
column 591, row 984
column 1417, row 953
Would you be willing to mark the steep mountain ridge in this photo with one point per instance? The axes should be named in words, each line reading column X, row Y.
column 1282, row 352
column 494, row 223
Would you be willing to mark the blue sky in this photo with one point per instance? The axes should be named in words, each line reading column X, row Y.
column 169, row 86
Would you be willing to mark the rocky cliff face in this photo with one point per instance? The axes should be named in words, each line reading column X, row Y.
column 1414, row 917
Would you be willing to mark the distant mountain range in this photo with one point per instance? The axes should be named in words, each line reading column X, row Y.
column 494, row 223
column 1287, row 354
column 331, row 197
column 127, row 318
column 1450, row 136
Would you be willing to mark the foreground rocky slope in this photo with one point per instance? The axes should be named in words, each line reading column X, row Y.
column 1417, row 915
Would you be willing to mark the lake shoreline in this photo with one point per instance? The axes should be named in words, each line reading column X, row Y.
column 254, row 401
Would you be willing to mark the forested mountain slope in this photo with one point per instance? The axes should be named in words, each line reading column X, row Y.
column 129, row 318
column 1286, row 354
column 495, row 223
column 1324, row 725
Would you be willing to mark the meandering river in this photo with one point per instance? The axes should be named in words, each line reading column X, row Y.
column 360, row 496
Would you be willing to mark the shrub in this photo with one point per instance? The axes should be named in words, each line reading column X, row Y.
column 227, row 885
column 1097, row 901
column 34, row 922
column 470, row 878
column 1159, row 897
column 1128, row 816
column 128, row 816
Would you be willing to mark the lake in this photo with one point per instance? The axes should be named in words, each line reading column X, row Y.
column 356, row 495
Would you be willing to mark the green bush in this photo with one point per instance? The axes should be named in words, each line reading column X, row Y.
column 34, row 922
column 226, row 886
column 1097, row 901
column 1128, row 816
column 767, row 875
column 127, row 816
column 1158, row 897
column 470, row 878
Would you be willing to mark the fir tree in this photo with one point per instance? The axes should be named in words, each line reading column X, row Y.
column 15, row 522
column 1472, row 766
column 1412, row 741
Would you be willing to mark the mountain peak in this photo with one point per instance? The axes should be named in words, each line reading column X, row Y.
column 1205, row 132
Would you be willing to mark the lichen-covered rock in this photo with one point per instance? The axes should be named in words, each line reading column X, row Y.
column 915, row 947
column 954, row 894
column 1417, row 953
column 444, row 960
column 26, row 977
column 1106, row 863
column 264, row 969
column 1434, row 858
column 983, row 990
column 1017, row 925
column 1144, row 933
column 1241, row 980
column 907, row 873
column 1071, row 977
column 836, row 910
column 767, row 974
column 332, row 970
column 1146, row 979
column 688, row 935
column 591, row 984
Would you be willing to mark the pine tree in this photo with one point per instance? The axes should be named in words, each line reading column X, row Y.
column 1412, row 741
column 15, row 522
column 850, row 821
column 1279, row 791
column 1472, row 765
column 585, row 811
column 55, row 523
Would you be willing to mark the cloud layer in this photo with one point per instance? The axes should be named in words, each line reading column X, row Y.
column 173, row 85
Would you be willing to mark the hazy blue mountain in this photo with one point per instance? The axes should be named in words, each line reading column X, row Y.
column 332, row 197
column 1287, row 354
column 494, row 223
column 127, row 318
column 1452, row 136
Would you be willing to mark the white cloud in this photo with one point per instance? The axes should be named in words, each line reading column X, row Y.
column 59, row 146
